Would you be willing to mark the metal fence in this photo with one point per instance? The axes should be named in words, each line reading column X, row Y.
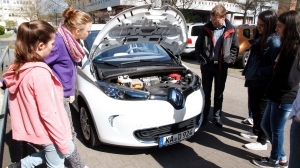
column 5, row 60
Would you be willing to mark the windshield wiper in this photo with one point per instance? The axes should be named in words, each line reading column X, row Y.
column 106, row 63
column 138, row 61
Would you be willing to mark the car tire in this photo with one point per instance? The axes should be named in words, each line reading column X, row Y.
column 245, row 58
column 87, row 126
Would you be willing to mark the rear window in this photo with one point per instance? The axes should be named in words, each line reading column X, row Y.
column 196, row 30
column 246, row 33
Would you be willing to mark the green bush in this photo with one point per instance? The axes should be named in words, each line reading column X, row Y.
column 2, row 30
column 10, row 24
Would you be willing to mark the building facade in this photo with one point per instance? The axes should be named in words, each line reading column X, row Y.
column 16, row 10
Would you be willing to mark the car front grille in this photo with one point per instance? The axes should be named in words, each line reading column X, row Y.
column 152, row 134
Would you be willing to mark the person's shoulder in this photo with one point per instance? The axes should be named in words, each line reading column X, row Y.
column 274, row 36
column 229, row 24
column 207, row 24
column 274, row 39
column 59, row 39
column 40, row 67
column 40, row 74
column 58, row 44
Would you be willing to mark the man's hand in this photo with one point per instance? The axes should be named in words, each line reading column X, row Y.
column 71, row 99
column 200, row 59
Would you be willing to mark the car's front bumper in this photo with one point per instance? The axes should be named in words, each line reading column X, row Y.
column 118, row 121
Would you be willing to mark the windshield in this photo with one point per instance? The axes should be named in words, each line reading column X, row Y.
column 134, row 52
column 88, row 43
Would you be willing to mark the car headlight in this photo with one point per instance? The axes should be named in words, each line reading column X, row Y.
column 122, row 92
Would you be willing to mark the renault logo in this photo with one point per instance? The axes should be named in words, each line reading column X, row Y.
column 176, row 97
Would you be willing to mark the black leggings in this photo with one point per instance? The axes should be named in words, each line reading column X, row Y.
column 258, row 103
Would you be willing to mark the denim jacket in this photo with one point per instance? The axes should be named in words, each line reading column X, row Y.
column 259, row 69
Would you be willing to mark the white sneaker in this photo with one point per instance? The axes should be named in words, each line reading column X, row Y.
column 249, row 135
column 256, row 146
column 248, row 121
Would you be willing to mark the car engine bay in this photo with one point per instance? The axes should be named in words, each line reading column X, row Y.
column 158, row 85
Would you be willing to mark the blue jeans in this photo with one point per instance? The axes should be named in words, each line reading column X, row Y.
column 50, row 154
column 273, row 123
column 294, row 161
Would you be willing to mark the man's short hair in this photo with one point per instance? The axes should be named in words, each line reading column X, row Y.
column 218, row 10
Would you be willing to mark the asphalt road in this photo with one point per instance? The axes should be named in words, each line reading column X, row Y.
column 209, row 147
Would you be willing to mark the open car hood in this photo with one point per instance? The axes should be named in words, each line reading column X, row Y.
column 143, row 24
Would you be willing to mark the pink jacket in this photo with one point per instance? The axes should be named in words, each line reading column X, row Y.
column 36, row 106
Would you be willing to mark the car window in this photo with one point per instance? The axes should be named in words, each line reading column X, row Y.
column 90, row 39
column 246, row 33
column 196, row 30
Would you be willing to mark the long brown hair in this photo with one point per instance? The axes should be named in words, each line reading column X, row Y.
column 269, row 18
column 291, row 33
column 28, row 37
column 75, row 19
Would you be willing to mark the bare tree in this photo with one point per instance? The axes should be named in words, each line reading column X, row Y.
column 286, row 5
column 247, row 5
column 298, row 5
column 183, row 4
column 186, row 8
column 71, row 3
column 30, row 10
column 37, row 9
column 81, row 4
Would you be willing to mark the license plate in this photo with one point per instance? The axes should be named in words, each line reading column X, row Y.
column 175, row 138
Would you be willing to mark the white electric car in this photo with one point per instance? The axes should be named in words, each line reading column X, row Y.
column 132, row 89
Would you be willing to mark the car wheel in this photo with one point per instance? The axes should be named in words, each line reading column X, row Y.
column 87, row 127
column 245, row 58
